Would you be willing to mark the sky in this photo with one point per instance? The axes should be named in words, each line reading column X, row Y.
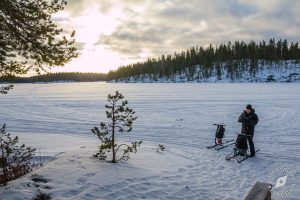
column 112, row 33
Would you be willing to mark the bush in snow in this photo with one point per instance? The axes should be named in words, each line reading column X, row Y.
column 160, row 148
column 5, row 89
column 42, row 196
column 14, row 159
column 121, row 119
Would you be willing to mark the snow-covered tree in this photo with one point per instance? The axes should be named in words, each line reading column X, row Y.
column 121, row 119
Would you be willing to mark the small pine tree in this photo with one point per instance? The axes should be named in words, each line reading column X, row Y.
column 121, row 119
column 14, row 160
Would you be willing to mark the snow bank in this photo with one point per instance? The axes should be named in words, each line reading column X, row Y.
column 76, row 175
column 173, row 174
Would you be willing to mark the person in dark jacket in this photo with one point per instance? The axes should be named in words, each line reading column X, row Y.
column 249, row 120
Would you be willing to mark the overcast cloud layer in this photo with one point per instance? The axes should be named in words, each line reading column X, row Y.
column 142, row 28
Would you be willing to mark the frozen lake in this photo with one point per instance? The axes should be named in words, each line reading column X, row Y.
column 170, row 114
column 167, row 113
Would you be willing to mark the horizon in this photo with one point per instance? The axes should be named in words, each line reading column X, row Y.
column 114, row 34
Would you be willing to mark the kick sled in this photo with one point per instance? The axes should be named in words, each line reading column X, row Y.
column 239, row 152
column 219, row 135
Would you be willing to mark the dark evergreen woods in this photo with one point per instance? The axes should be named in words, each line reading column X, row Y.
column 62, row 76
column 232, row 55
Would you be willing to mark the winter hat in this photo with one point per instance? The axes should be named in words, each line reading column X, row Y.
column 249, row 107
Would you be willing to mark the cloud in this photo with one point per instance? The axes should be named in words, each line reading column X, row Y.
column 80, row 46
column 168, row 26
column 137, row 29
column 77, row 7
column 131, row 38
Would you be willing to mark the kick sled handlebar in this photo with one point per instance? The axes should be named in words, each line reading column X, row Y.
column 219, row 124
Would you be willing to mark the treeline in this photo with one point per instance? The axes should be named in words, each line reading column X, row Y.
column 61, row 76
column 233, row 54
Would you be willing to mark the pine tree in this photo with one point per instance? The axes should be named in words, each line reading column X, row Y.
column 29, row 39
column 285, row 50
column 294, row 54
column 121, row 119
column 14, row 159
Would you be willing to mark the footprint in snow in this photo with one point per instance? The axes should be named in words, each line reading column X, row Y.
column 81, row 180
column 90, row 174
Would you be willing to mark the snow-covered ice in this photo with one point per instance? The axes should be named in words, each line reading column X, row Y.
column 57, row 118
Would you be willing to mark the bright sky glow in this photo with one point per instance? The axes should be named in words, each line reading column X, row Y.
column 114, row 33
